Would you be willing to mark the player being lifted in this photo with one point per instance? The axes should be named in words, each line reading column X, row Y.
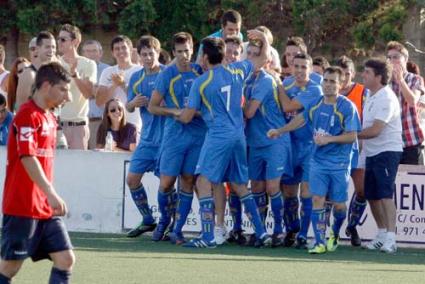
column 145, row 156
column 268, row 159
column 335, row 124
column 296, row 97
column 181, row 142
column 217, row 95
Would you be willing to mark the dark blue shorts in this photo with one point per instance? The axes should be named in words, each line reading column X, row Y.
column 23, row 237
column 380, row 174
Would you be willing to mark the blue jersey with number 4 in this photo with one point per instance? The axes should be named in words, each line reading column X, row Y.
column 217, row 94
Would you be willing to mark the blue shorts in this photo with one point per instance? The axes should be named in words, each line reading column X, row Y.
column 301, row 154
column 330, row 183
column 23, row 237
column 180, row 156
column 224, row 159
column 144, row 159
column 270, row 162
column 380, row 174
column 354, row 159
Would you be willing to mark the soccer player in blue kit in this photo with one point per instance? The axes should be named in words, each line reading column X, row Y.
column 145, row 156
column 268, row 159
column 217, row 94
column 181, row 143
column 297, row 95
column 335, row 124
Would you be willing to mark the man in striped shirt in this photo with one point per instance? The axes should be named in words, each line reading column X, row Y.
column 408, row 87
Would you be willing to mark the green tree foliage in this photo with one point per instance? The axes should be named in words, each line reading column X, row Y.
column 381, row 25
column 323, row 23
column 317, row 20
column 137, row 18
column 164, row 18
column 32, row 16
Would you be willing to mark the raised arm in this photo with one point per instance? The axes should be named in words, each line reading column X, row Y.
column 259, row 61
column 286, row 103
column 23, row 90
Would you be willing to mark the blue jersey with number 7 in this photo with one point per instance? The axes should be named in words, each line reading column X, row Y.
column 217, row 94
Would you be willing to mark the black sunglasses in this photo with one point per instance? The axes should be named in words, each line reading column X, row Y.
column 113, row 110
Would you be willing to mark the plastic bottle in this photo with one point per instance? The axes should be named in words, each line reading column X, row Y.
column 61, row 142
column 109, row 142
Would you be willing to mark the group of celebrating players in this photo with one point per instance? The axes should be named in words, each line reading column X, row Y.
column 218, row 122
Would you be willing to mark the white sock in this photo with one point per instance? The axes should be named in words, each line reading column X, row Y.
column 382, row 233
column 391, row 236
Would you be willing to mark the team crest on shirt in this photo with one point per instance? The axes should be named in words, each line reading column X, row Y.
column 321, row 132
column 26, row 134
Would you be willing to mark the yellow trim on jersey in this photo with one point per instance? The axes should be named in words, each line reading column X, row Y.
column 195, row 72
column 289, row 86
column 138, row 82
column 234, row 71
column 310, row 113
column 202, row 88
column 172, row 92
column 263, row 110
column 275, row 94
column 340, row 116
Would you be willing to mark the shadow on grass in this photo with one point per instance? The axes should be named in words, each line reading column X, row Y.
column 119, row 243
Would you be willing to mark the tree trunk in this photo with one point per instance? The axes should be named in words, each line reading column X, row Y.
column 12, row 39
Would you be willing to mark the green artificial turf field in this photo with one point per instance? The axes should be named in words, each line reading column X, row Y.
column 105, row 258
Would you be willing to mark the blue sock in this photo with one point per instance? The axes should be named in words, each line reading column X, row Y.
column 306, row 208
column 140, row 198
column 319, row 225
column 290, row 214
column 357, row 208
column 58, row 276
column 251, row 211
column 165, row 205
column 261, row 202
column 206, row 210
column 328, row 210
column 173, row 199
column 184, row 205
column 236, row 211
column 339, row 217
column 277, row 209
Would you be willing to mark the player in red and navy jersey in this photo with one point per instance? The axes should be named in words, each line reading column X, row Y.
column 31, row 226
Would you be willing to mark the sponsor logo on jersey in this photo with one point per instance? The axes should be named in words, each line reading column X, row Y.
column 26, row 134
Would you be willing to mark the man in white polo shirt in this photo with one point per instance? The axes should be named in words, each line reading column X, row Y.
column 74, row 114
column 383, row 147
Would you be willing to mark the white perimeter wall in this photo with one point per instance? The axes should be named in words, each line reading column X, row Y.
column 92, row 185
